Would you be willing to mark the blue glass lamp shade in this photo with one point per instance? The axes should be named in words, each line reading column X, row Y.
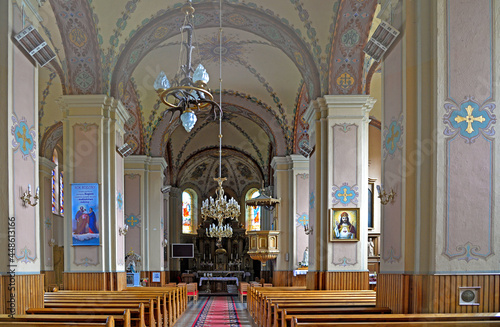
column 188, row 119
column 161, row 82
column 200, row 74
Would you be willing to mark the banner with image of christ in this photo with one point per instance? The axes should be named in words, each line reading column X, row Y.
column 85, row 213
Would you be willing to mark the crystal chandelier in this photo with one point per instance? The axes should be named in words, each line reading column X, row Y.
column 220, row 208
column 188, row 92
column 219, row 231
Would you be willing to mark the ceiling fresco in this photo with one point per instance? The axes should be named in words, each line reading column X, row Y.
column 276, row 56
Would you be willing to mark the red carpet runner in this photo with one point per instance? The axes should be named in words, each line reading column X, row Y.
column 218, row 311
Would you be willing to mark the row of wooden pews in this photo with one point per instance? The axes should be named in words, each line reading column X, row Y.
column 132, row 307
column 295, row 306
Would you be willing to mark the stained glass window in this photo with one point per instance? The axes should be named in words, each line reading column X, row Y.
column 55, row 182
column 188, row 211
column 253, row 214
column 61, row 193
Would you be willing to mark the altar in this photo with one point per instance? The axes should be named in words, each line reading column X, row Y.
column 220, row 285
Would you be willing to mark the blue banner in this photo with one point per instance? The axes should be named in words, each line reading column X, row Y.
column 85, row 214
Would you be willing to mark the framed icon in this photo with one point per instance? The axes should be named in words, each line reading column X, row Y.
column 344, row 224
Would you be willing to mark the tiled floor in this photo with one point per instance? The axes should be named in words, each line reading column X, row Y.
column 188, row 318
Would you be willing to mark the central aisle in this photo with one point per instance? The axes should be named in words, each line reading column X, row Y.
column 216, row 311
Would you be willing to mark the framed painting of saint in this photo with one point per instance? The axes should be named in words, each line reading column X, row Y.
column 344, row 224
column 85, row 214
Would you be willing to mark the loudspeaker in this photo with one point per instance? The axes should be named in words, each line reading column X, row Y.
column 35, row 45
column 381, row 40
column 125, row 150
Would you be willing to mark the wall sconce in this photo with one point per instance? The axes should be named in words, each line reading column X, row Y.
column 164, row 243
column 384, row 197
column 26, row 197
column 52, row 242
column 308, row 230
column 123, row 231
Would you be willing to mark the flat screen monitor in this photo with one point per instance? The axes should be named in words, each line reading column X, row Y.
column 182, row 250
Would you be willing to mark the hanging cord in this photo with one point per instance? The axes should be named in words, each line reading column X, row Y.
column 220, row 88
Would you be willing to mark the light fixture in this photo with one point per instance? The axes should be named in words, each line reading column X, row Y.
column 123, row 231
column 26, row 197
column 220, row 208
column 188, row 91
column 164, row 242
column 384, row 197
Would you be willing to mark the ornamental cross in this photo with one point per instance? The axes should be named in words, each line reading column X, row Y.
column 131, row 221
column 393, row 137
column 24, row 138
column 346, row 80
column 345, row 195
column 469, row 119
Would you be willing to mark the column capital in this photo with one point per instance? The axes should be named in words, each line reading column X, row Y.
column 171, row 190
column 279, row 161
column 102, row 105
column 346, row 106
column 144, row 162
column 46, row 166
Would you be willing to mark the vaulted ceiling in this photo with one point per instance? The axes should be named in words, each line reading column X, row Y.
column 276, row 57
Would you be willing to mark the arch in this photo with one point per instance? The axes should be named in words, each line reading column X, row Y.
column 253, row 215
column 50, row 139
column 346, row 58
column 79, row 38
column 238, row 16
column 189, row 211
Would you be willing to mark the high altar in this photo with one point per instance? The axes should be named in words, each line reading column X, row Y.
column 230, row 261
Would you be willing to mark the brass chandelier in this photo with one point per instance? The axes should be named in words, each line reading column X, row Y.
column 188, row 92
column 220, row 208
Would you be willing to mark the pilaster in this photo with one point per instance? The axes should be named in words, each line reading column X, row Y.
column 47, row 236
column 145, row 212
column 340, row 185
column 93, row 130
column 173, row 208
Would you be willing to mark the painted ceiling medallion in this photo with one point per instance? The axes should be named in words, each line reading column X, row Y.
column 469, row 119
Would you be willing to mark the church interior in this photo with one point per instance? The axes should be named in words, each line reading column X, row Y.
column 171, row 155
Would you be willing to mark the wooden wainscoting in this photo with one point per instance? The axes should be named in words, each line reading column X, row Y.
column 445, row 293
column 28, row 293
column 337, row 280
column 392, row 292
column 436, row 293
column 110, row 281
column 49, row 278
column 286, row 278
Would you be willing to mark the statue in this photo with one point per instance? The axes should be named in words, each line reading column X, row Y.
column 371, row 247
column 305, row 258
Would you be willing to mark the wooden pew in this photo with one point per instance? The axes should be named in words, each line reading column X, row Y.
column 284, row 312
column 266, row 301
column 107, row 299
column 389, row 319
column 335, row 300
column 59, row 320
column 254, row 290
column 192, row 291
column 148, row 318
column 136, row 314
column 15, row 323
column 477, row 323
column 242, row 291
column 177, row 299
